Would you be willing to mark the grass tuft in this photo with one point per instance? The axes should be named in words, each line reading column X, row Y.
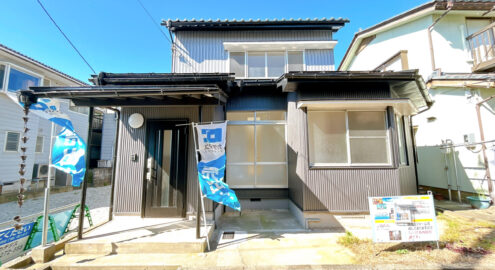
column 348, row 240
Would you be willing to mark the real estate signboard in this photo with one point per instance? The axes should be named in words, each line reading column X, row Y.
column 403, row 219
column 12, row 242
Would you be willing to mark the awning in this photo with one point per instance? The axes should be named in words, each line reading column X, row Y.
column 143, row 89
column 403, row 85
column 403, row 106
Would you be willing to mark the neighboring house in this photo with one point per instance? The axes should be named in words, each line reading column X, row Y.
column 18, row 71
column 451, row 43
column 300, row 135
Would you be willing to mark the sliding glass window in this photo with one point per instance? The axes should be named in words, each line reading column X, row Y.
column 256, row 149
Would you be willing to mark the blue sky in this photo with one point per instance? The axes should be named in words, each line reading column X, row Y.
column 117, row 36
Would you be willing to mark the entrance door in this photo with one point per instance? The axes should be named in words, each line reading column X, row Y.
column 166, row 167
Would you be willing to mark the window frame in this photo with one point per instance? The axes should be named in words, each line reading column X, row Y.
column 349, row 164
column 42, row 144
column 8, row 67
column 246, row 62
column 254, row 163
column 5, row 142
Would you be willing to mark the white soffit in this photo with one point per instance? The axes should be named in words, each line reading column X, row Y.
column 279, row 45
column 403, row 106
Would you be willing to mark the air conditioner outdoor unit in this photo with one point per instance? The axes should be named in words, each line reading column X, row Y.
column 42, row 171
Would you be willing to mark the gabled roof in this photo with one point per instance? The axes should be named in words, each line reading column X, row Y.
column 40, row 64
column 412, row 14
column 333, row 24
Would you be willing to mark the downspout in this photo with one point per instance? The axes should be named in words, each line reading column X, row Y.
column 415, row 153
column 114, row 163
column 450, row 4
column 483, row 147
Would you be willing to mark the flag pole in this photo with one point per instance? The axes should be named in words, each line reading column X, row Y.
column 44, row 235
column 199, row 185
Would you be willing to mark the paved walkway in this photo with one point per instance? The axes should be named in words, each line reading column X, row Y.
column 96, row 198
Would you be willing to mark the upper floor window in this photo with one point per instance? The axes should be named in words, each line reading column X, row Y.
column 270, row 64
column 13, row 78
column 21, row 80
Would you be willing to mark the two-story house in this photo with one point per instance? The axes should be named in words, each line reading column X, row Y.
column 300, row 136
column 451, row 44
column 17, row 72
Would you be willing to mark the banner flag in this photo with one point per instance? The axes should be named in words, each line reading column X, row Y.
column 69, row 148
column 211, row 168
column 68, row 155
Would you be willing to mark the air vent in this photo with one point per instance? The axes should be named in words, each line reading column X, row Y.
column 228, row 235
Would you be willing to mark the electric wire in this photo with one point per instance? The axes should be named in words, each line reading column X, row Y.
column 178, row 49
column 65, row 36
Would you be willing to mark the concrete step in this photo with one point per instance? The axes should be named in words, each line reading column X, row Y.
column 135, row 247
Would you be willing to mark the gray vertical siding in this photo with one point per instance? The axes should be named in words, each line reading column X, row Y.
column 204, row 51
column 297, row 151
column 129, row 178
column 341, row 190
column 407, row 174
column 319, row 60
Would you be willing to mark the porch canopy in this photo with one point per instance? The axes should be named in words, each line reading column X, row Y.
column 143, row 89
column 404, row 90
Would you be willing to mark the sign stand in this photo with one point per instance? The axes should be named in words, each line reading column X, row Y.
column 196, row 150
column 47, row 191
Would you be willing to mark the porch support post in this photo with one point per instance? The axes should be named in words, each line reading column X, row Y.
column 198, row 211
column 114, row 163
column 85, row 182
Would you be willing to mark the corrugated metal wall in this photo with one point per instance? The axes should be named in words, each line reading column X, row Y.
column 204, row 52
column 407, row 174
column 319, row 60
column 297, row 151
column 129, row 178
column 340, row 190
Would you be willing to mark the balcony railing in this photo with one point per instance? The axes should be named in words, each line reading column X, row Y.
column 482, row 45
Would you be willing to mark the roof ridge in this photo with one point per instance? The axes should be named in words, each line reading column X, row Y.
column 67, row 76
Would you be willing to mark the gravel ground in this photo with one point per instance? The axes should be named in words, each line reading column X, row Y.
column 98, row 200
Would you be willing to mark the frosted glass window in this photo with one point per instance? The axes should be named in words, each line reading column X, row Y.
column 271, row 175
column 240, row 116
column 367, row 123
column 276, row 63
column 240, row 175
column 344, row 138
column 19, row 80
column 256, row 149
column 240, row 143
column 256, row 64
column 237, row 64
column 327, row 137
column 39, row 144
column 295, row 61
column 270, row 143
column 369, row 150
column 270, row 115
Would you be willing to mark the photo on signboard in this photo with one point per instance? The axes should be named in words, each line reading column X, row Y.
column 395, row 235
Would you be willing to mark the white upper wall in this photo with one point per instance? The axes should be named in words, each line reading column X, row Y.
column 451, row 49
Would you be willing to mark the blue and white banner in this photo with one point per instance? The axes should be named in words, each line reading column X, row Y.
column 49, row 108
column 68, row 155
column 211, row 168
column 69, row 148
column 12, row 242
